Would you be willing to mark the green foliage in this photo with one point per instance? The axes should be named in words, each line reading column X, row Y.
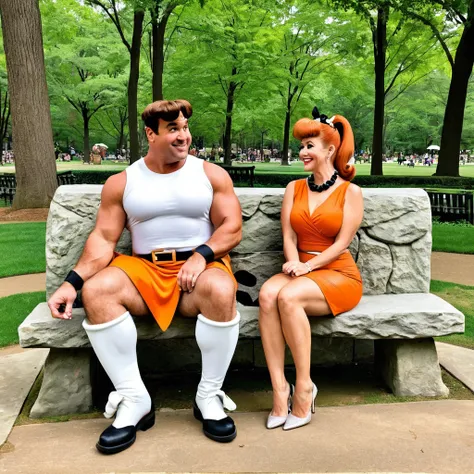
column 93, row 176
column 269, row 44
column 282, row 179
column 86, row 69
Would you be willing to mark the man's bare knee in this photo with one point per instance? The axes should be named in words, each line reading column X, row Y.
column 103, row 295
column 106, row 283
column 216, row 294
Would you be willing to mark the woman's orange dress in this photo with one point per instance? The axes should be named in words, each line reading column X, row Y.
column 340, row 280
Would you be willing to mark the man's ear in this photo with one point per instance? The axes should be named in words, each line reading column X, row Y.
column 149, row 133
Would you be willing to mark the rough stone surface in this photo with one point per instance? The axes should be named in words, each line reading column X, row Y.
column 410, row 227
column 260, row 233
column 375, row 264
column 410, row 368
column 411, row 264
column 66, row 384
column 261, row 265
column 408, row 316
column 354, row 247
column 390, row 204
column 396, row 225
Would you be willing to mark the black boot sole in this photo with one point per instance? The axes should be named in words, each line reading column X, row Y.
column 220, row 439
column 143, row 425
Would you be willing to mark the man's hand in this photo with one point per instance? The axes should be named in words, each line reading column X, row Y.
column 190, row 271
column 63, row 297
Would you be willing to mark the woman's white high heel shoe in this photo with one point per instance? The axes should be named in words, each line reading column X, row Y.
column 276, row 421
column 293, row 421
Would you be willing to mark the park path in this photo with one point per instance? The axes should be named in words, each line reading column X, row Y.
column 451, row 267
column 22, row 284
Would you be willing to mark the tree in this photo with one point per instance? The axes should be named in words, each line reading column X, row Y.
column 85, row 69
column 4, row 100
column 160, row 13
column 111, row 8
column 458, row 13
column 308, row 45
column 393, row 57
column 112, row 121
column 31, row 120
column 225, row 51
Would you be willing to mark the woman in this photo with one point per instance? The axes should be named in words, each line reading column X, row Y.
column 320, row 216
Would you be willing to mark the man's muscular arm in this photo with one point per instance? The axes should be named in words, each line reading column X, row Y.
column 226, row 216
column 100, row 245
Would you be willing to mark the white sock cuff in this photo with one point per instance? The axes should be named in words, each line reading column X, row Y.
column 99, row 327
column 220, row 324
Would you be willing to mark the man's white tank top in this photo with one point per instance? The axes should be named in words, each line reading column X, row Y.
column 168, row 211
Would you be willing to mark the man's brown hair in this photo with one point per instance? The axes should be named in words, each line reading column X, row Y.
column 167, row 110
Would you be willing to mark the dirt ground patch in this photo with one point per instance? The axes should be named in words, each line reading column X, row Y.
column 23, row 215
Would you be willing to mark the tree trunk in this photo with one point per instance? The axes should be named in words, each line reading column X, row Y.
column 4, row 118
column 35, row 163
column 158, row 32
column 379, row 37
column 448, row 163
column 133, row 85
column 286, row 137
column 228, row 119
column 121, row 139
column 85, row 119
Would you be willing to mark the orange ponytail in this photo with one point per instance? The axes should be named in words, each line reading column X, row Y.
column 346, row 148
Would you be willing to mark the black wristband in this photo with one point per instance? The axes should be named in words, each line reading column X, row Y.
column 75, row 280
column 206, row 252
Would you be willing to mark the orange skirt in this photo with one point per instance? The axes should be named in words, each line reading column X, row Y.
column 158, row 284
column 340, row 282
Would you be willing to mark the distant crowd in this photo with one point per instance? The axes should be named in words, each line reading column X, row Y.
column 8, row 157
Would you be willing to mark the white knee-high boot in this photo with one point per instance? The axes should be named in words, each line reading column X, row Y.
column 217, row 342
column 115, row 344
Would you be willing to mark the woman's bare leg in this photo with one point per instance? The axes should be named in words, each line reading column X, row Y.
column 273, row 340
column 295, row 301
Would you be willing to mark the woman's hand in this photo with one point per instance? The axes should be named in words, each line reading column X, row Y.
column 296, row 268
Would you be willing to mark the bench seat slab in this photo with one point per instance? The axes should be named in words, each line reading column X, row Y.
column 389, row 316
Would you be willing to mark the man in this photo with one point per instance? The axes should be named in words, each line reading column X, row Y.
column 184, row 218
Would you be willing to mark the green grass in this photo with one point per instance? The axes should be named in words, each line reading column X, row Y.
column 452, row 237
column 13, row 310
column 76, row 165
column 363, row 169
column 296, row 167
column 22, row 247
column 462, row 298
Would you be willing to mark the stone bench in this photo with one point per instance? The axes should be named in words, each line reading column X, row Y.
column 393, row 325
